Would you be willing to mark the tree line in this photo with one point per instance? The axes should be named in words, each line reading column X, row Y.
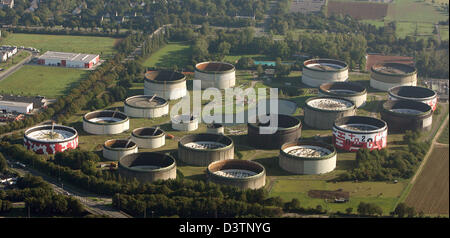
column 380, row 165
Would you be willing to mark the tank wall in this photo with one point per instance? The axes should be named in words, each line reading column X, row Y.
column 315, row 78
column 115, row 155
column 402, row 123
column 385, row 82
column 253, row 183
column 219, row 130
column 149, row 143
column 147, row 112
column 149, row 176
column 353, row 142
column 192, row 126
column 358, row 100
column 272, row 141
column 50, row 148
column 431, row 102
column 204, row 158
column 169, row 91
column 298, row 166
column 324, row 120
column 99, row 129
column 220, row 81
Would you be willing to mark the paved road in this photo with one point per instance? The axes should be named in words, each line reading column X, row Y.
column 14, row 68
column 97, row 205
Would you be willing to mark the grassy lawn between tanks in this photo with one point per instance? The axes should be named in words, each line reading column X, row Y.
column 46, row 81
column 174, row 53
column 64, row 43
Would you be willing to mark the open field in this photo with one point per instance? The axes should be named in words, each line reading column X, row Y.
column 41, row 80
column 415, row 11
column 382, row 193
column 409, row 28
column 358, row 10
column 64, row 43
column 430, row 193
column 174, row 53
column 14, row 60
column 444, row 32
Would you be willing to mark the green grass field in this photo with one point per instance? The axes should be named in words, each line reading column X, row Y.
column 64, row 43
column 174, row 53
column 413, row 10
column 41, row 80
column 444, row 32
column 443, row 138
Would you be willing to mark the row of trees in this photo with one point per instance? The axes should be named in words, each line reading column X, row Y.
column 135, row 14
column 379, row 165
column 40, row 198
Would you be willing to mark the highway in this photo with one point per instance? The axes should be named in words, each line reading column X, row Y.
column 94, row 204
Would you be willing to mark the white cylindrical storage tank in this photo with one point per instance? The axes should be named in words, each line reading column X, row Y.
column 355, row 132
column 116, row 149
column 105, row 122
column 387, row 75
column 50, row 139
column 169, row 85
column 184, row 123
column 146, row 106
column 321, row 112
column 319, row 71
column 148, row 137
column 215, row 74
column 347, row 90
column 215, row 128
column 412, row 93
column 307, row 157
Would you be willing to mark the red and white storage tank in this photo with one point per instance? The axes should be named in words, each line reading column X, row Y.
column 355, row 132
column 50, row 139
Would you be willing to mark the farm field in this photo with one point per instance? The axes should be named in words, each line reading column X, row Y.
column 174, row 53
column 414, row 11
column 64, row 43
column 444, row 32
column 41, row 80
column 408, row 29
column 358, row 10
column 430, row 193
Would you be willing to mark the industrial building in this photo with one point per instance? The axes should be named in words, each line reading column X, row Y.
column 16, row 107
column 319, row 71
column 387, row 75
column 260, row 135
column 6, row 4
column 307, row 157
column 169, row 85
column 105, row 122
column 143, row 106
column 184, row 122
column 244, row 174
column 402, row 115
column 148, row 137
column 70, row 60
column 50, row 139
column 148, row 167
column 116, row 149
column 414, row 93
column 347, row 90
column 321, row 112
column 7, row 52
column 203, row 149
column 355, row 132
column 215, row 75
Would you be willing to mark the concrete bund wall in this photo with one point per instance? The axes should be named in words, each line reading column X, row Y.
column 146, row 112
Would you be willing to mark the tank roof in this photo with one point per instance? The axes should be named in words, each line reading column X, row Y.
column 330, row 103
column 146, row 101
column 393, row 69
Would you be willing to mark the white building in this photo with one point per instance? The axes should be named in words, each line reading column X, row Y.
column 71, row 60
column 20, row 107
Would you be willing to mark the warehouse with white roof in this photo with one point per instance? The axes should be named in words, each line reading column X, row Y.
column 20, row 107
column 71, row 60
